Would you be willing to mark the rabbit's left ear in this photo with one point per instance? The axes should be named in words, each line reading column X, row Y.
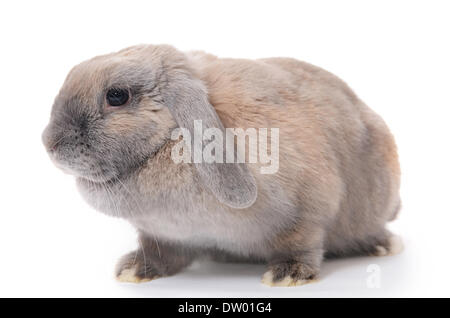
column 187, row 99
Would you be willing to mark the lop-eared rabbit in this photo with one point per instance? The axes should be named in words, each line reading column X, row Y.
column 335, row 187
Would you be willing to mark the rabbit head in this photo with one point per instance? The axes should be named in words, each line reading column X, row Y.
column 115, row 111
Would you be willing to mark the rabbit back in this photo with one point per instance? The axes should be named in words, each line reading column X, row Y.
column 338, row 159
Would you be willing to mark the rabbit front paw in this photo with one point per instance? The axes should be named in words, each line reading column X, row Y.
column 289, row 274
column 135, row 268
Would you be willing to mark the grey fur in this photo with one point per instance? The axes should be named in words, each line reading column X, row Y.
column 337, row 186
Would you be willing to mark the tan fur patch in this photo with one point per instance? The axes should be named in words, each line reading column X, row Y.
column 288, row 281
column 128, row 275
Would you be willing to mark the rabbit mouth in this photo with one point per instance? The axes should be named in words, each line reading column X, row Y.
column 97, row 174
column 91, row 168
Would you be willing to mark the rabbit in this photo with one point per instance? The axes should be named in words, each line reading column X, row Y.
column 336, row 187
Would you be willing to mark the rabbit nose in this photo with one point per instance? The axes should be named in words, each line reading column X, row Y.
column 53, row 147
column 46, row 138
column 50, row 142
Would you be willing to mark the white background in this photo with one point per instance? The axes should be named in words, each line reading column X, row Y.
column 394, row 54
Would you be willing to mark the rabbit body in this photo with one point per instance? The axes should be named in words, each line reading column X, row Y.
column 336, row 187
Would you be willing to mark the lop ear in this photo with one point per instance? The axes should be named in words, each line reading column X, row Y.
column 187, row 99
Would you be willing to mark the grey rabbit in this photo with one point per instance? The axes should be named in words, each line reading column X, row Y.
column 336, row 186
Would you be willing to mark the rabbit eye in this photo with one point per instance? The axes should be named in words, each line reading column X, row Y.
column 117, row 96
